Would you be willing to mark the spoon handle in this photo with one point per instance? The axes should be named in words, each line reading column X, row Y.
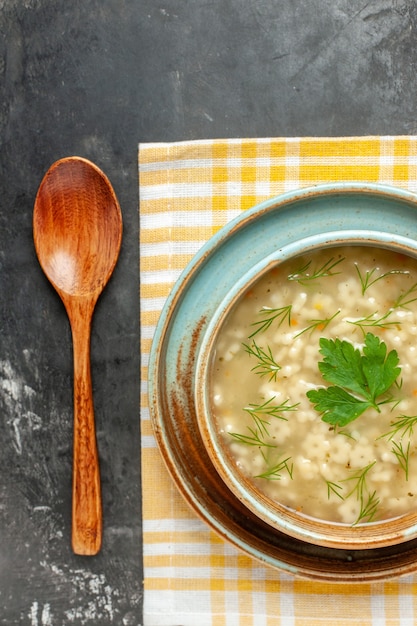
column 86, row 492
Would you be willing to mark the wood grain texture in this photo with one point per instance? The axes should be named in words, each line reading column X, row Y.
column 77, row 228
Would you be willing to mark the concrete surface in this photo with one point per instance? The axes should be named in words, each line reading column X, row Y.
column 94, row 79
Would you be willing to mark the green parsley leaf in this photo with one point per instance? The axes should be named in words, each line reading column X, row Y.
column 380, row 370
column 342, row 365
column 337, row 405
column 358, row 379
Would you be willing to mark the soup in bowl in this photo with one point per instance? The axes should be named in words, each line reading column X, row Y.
column 306, row 390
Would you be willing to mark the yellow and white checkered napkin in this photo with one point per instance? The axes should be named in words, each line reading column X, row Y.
column 188, row 191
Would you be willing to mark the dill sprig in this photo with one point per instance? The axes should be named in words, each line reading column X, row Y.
column 270, row 315
column 269, row 409
column 345, row 433
column 367, row 280
column 261, row 424
column 319, row 324
column 258, row 434
column 255, row 438
column 368, row 501
column 266, row 366
column 371, row 321
column 335, row 488
column 403, row 455
column 275, row 472
column 402, row 301
column 402, row 425
column 359, row 479
column 303, row 275
column 369, row 508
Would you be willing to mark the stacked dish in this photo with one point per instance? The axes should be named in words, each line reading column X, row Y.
column 281, row 382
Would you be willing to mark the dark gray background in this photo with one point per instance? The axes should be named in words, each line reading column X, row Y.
column 95, row 78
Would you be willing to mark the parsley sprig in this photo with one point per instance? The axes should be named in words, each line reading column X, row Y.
column 359, row 380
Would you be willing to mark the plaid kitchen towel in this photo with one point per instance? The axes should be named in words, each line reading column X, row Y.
column 189, row 190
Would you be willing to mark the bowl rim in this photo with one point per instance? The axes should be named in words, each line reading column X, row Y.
column 363, row 536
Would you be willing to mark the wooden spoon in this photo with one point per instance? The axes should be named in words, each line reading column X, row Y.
column 77, row 226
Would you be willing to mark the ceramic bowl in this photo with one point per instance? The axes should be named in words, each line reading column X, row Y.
column 178, row 370
column 279, row 517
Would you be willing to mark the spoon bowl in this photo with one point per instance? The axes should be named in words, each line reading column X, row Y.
column 77, row 227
